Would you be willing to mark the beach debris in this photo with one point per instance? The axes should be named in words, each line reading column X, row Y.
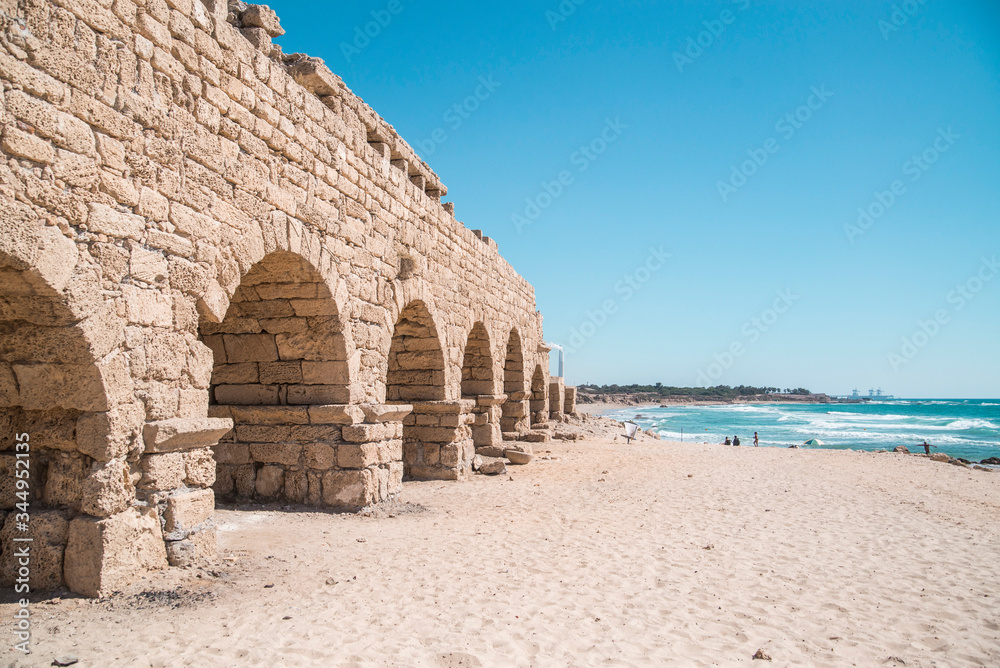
column 492, row 466
column 477, row 462
column 761, row 656
column 518, row 457
column 65, row 660
column 901, row 448
column 895, row 659
column 331, row 581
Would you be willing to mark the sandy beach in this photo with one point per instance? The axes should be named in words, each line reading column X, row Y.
column 603, row 554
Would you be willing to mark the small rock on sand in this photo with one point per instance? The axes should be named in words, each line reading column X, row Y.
column 902, row 448
column 493, row 466
column 940, row 457
column 66, row 660
column 760, row 655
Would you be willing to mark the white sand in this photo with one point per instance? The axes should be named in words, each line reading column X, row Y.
column 656, row 554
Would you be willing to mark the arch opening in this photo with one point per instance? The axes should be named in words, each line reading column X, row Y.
column 514, row 418
column 280, row 355
column 416, row 376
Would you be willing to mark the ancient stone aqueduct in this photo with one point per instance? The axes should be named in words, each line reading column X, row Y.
column 222, row 274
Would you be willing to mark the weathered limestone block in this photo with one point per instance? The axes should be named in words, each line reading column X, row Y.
column 357, row 455
column 30, row 147
column 187, row 510
column 386, row 412
column 107, row 435
column 255, row 433
column 395, row 482
column 53, row 430
column 350, row 489
column 107, row 489
column 248, row 395
column 315, row 76
column 318, row 394
column 224, row 485
column 103, row 555
column 270, row 481
column 199, row 548
column 320, row 456
column 64, row 480
column 48, row 530
column 336, row 414
column 245, row 480
column 199, row 468
column 296, row 486
column 184, row 433
column 232, row 453
column 286, row 454
column 85, row 387
column 363, row 433
column 163, row 472
column 251, row 348
column 390, row 451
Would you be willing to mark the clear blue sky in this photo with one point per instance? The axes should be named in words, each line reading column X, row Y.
column 677, row 119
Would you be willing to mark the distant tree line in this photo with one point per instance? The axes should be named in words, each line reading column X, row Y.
column 719, row 391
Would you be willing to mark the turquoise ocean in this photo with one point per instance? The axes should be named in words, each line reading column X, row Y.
column 967, row 428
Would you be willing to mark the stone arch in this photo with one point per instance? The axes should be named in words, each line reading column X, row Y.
column 539, row 396
column 477, row 363
column 281, row 352
column 416, row 358
column 66, row 400
column 514, row 417
column 416, row 376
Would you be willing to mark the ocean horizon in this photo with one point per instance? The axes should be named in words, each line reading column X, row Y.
column 965, row 428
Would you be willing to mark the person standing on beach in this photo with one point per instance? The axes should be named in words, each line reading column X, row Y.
column 756, row 441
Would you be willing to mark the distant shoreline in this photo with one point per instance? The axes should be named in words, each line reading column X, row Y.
column 597, row 404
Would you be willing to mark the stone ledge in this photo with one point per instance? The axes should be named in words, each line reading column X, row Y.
column 184, row 433
column 386, row 412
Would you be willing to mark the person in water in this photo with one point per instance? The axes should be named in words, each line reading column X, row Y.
column 756, row 441
column 736, row 440
column 927, row 447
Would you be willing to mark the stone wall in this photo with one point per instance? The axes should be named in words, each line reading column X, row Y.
column 221, row 273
